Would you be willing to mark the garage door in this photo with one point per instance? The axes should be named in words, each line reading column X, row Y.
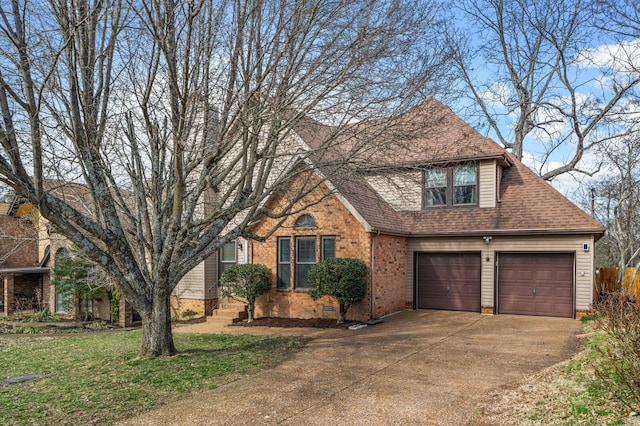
column 448, row 281
column 535, row 284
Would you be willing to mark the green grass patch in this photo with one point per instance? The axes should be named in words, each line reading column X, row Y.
column 592, row 403
column 99, row 379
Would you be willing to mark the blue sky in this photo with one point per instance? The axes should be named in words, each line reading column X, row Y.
column 592, row 72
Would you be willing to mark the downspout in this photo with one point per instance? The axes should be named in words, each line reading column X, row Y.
column 498, row 183
column 372, row 262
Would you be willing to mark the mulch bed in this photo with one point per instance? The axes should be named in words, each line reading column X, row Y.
column 295, row 322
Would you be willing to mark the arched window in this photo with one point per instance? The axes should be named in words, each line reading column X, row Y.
column 61, row 253
column 305, row 221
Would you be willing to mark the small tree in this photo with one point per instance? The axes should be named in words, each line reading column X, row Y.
column 76, row 275
column 344, row 279
column 248, row 281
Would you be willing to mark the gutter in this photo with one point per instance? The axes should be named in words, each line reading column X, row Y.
column 25, row 270
column 531, row 231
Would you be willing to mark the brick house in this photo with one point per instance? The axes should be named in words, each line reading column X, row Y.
column 444, row 219
column 28, row 253
column 23, row 272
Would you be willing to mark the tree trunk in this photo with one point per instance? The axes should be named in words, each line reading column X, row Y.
column 343, row 314
column 250, row 309
column 157, row 338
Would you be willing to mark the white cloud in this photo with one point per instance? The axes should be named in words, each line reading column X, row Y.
column 623, row 57
column 497, row 95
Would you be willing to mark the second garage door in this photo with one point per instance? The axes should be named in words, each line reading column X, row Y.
column 448, row 281
column 536, row 284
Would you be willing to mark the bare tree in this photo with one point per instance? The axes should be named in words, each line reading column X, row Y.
column 529, row 72
column 619, row 16
column 616, row 207
column 175, row 118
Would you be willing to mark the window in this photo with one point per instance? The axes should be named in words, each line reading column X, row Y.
column 284, row 262
column 305, row 221
column 328, row 247
column 293, row 270
column 436, row 187
column 227, row 256
column 464, row 184
column 305, row 259
column 451, row 186
column 63, row 296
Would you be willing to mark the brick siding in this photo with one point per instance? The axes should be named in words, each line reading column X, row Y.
column 179, row 305
column 332, row 219
column 389, row 274
column 125, row 314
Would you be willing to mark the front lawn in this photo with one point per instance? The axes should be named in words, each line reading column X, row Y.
column 98, row 379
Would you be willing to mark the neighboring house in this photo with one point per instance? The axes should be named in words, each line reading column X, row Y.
column 444, row 218
column 23, row 273
column 28, row 253
column 29, row 249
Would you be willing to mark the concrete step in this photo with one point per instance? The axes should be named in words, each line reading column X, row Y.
column 216, row 320
column 222, row 313
column 219, row 321
column 229, row 310
column 232, row 306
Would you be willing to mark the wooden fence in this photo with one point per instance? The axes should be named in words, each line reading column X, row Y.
column 606, row 280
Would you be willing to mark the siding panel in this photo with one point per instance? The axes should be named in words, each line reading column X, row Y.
column 487, row 191
column 192, row 285
column 403, row 191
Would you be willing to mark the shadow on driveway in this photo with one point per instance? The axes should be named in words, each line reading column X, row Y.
column 418, row 367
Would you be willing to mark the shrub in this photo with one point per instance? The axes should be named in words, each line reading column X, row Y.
column 43, row 315
column 248, row 281
column 78, row 279
column 189, row 314
column 343, row 279
column 619, row 318
column 114, row 305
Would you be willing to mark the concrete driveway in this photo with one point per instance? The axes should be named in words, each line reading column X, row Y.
column 418, row 367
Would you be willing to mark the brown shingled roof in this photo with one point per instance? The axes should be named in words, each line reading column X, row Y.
column 528, row 204
column 430, row 133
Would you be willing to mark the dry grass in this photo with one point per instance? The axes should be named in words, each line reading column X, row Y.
column 567, row 393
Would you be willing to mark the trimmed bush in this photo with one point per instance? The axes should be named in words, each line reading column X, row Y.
column 344, row 279
column 248, row 281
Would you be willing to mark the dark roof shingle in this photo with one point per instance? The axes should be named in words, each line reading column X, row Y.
column 432, row 133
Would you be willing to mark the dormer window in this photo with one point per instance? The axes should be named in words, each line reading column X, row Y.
column 305, row 221
column 465, row 184
column 451, row 186
column 435, row 187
